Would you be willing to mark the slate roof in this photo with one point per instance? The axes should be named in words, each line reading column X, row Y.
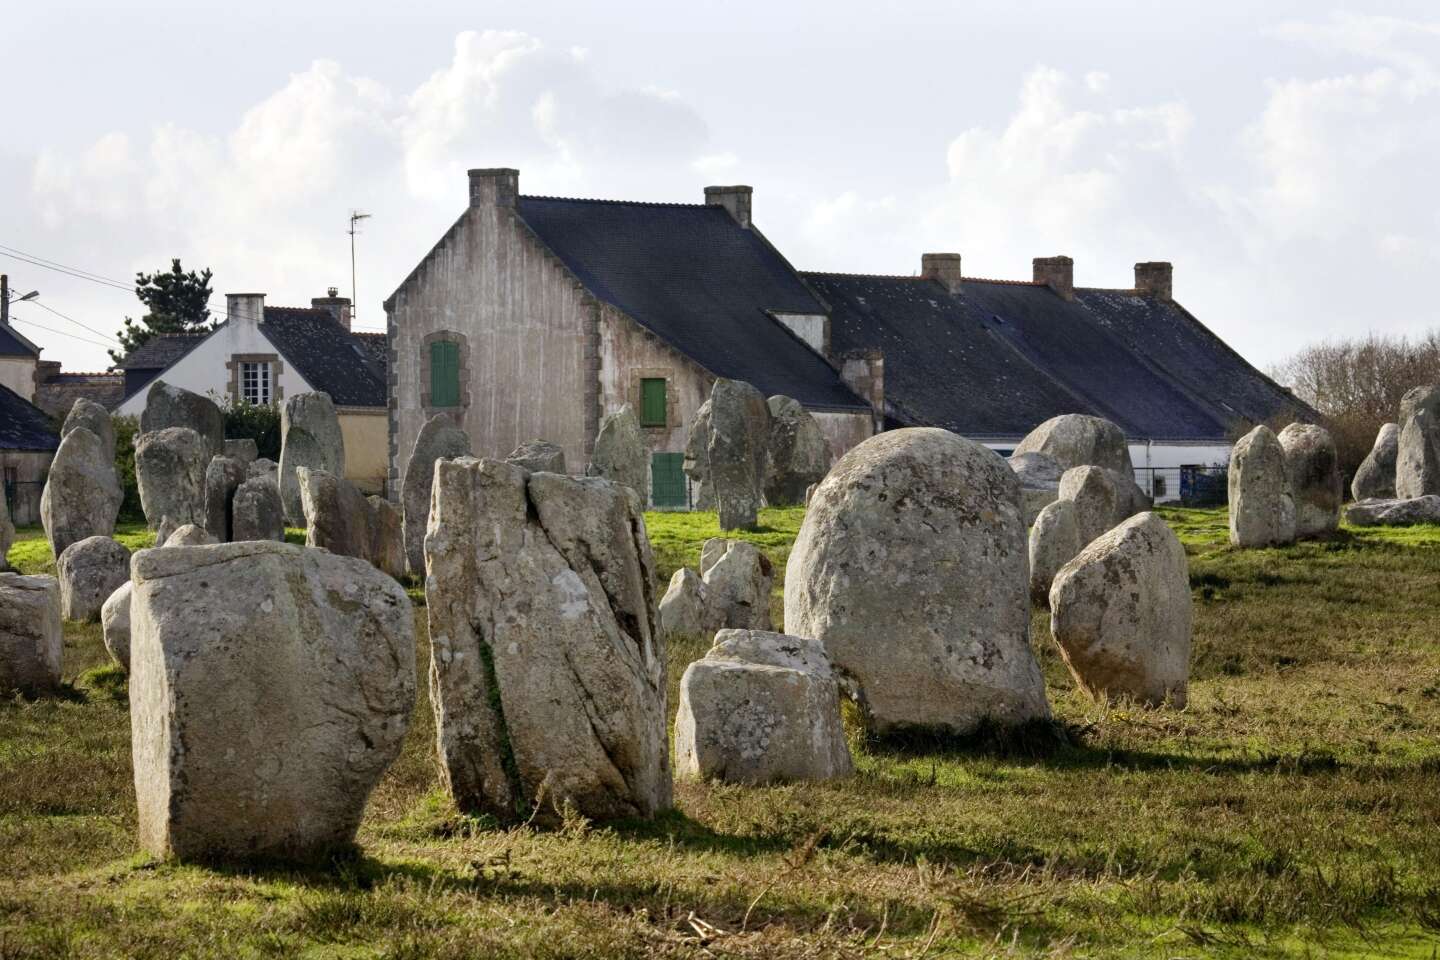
column 699, row 281
column 160, row 351
column 999, row 357
column 310, row 339
column 14, row 344
column 329, row 357
column 23, row 426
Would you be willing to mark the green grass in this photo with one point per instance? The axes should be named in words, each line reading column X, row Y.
column 1290, row 810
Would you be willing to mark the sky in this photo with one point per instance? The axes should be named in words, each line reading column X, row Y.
column 1282, row 155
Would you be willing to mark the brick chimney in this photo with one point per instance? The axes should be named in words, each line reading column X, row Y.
column 734, row 199
column 494, row 186
column 1057, row 273
column 1153, row 279
column 245, row 307
column 338, row 306
column 944, row 267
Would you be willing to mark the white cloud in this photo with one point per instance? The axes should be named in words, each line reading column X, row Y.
column 265, row 203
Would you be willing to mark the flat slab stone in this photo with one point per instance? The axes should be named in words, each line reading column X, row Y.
column 31, row 642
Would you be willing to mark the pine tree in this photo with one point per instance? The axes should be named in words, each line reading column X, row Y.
column 177, row 302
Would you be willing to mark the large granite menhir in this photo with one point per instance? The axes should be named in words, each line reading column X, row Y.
column 170, row 469
column 548, row 676
column 738, row 452
column 438, row 439
column 82, row 493
column 270, row 688
column 31, row 642
column 309, row 437
column 169, row 406
column 911, row 568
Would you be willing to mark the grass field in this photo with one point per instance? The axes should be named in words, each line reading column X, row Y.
column 1292, row 810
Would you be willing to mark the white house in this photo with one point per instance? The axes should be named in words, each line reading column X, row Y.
column 263, row 354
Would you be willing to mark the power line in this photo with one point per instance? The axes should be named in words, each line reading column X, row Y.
column 56, row 263
column 41, row 326
column 77, row 323
column 68, row 272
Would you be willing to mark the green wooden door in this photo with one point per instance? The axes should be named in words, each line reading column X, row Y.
column 667, row 480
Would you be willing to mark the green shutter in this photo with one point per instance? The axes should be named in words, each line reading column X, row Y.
column 667, row 480
column 652, row 402
column 444, row 373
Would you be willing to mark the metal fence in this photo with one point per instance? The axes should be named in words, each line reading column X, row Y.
column 1188, row 486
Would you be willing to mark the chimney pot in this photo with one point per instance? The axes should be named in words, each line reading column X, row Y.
column 735, row 199
column 1155, row 278
column 494, row 186
column 942, row 267
column 1057, row 273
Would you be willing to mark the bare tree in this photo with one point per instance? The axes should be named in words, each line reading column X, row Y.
column 1356, row 385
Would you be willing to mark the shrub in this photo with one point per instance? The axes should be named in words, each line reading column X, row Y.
column 126, row 429
column 258, row 422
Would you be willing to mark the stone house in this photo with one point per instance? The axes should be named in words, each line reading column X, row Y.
column 991, row 359
column 28, row 441
column 533, row 317
column 263, row 354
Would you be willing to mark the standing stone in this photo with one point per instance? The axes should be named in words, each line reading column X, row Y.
column 799, row 452
column 1078, row 440
column 115, row 622
column 7, row 532
column 264, row 467
column 438, row 439
column 82, row 493
column 167, row 406
column 190, row 535
column 95, row 418
column 738, row 452
column 243, row 449
column 387, row 537
column 1039, row 475
column 1425, row 398
column 309, row 437
column 89, row 571
column 1262, row 509
column 1121, row 614
column 270, row 688
column 1054, row 542
column 222, row 478
column 538, row 456
column 696, row 463
column 256, row 511
column 684, row 610
column 1417, row 456
column 170, row 471
column 1394, row 513
column 1313, row 469
column 31, row 641
column 1102, row 499
column 337, row 515
column 738, row 579
column 760, row 708
column 548, row 676
column 911, row 568
column 621, row 455
column 1375, row 480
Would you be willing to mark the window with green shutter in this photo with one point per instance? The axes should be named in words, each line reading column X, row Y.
column 652, row 402
column 444, row 373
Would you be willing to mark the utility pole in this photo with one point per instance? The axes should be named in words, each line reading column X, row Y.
column 4, row 300
column 355, row 217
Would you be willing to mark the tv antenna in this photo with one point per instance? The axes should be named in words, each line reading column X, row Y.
column 355, row 217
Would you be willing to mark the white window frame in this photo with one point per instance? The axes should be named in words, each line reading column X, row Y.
column 263, row 382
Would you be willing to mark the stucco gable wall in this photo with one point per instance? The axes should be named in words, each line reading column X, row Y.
column 522, row 321
column 203, row 369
